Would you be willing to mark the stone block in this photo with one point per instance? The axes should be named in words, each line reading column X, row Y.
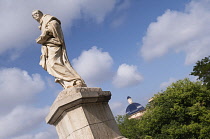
column 83, row 113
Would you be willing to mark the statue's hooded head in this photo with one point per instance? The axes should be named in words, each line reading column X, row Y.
column 37, row 15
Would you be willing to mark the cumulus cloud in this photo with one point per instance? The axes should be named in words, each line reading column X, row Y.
column 187, row 31
column 17, row 116
column 171, row 80
column 166, row 84
column 97, row 9
column 93, row 65
column 17, row 87
column 18, row 29
column 20, row 120
column 125, row 4
column 115, row 105
column 127, row 75
column 118, row 21
column 193, row 78
column 121, row 13
column 50, row 133
column 118, row 108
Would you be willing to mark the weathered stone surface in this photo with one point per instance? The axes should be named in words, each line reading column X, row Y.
column 83, row 113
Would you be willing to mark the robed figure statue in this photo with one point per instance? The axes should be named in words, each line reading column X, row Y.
column 54, row 57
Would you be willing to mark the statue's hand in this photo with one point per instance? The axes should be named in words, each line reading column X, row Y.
column 39, row 40
column 42, row 39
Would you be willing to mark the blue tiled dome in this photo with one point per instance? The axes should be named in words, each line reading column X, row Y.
column 133, row 108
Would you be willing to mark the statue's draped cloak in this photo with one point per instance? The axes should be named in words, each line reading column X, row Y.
column 54, row 58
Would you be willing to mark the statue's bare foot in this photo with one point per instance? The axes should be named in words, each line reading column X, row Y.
column 79, row 83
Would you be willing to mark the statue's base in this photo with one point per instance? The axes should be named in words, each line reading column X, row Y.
column 83, row 113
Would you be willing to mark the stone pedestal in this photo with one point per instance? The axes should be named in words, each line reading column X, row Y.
column 83, row 113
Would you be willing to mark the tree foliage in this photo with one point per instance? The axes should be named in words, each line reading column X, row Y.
column 180, row 112
column 128, row 127
column 202, row 70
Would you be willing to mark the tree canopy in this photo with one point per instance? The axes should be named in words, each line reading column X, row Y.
column 202, row 70
column 182, row 111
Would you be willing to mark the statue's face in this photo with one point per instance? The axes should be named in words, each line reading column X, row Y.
column 37, row 15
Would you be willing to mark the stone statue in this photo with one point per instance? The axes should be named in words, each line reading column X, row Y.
column 54, row 57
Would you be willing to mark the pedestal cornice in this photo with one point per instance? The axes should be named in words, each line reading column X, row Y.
column 73, row 97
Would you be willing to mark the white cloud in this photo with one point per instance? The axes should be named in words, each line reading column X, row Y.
column 127, row 76
column 115, row 105
column 124, row 5
column 21, row 119
column 118, row 108
column 50, row 133
column 18, row 87
column 121, row 13
column 118, row 21
column 18, row 29
column 97, row 9
column 171, row 80
column 18, row 91
column 193, row 78
column 93, row 65
column 166, row 84
column 187, row 31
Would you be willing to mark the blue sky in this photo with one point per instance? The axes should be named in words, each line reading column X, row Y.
column 129, row 47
